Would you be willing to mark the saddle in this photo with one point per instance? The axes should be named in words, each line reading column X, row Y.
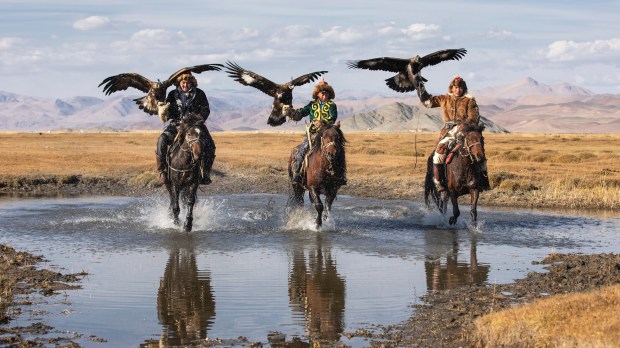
column 452, row 153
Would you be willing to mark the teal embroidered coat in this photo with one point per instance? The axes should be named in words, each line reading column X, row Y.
column 325, row 112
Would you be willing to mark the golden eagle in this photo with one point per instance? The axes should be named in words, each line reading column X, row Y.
column 282, row 93
column 407, row 70
column 156, row 91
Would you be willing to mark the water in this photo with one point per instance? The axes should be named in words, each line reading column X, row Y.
column 249, row 270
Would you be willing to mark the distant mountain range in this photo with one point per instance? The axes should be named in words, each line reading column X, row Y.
column 526, row 106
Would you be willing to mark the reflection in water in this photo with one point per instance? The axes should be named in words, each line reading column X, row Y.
column 185, row 304
column 317, row 291
column 454, row 273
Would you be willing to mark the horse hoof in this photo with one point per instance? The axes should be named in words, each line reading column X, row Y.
column 452, row 220
column 187, row 228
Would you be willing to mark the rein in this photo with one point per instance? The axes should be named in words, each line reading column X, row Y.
column 185, row 147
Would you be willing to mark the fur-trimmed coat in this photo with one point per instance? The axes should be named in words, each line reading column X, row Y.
column 462, row 109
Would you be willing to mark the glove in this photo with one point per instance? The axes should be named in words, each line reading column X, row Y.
column 418, row 82
column 162, row 111
column 286, row 109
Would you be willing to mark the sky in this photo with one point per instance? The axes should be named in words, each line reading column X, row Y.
column 65, row 48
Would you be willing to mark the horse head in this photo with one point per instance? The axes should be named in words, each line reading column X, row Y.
column 189, row 135
column 470, row 136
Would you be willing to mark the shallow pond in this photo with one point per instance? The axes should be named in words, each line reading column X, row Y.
column 249, row 270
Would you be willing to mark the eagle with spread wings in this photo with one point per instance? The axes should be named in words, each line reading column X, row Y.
column 407, row 69
column 282, row 93
column 155, row 91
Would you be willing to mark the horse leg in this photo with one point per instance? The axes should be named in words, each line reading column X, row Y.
column 174, row 204
column 318, row 205
column 474, row 194
column 191, row 200
column 330, row 195
column 454, row 198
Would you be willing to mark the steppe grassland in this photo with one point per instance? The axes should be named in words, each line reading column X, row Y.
column 568, row 170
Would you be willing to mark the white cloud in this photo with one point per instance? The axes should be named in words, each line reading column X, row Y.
column 420, row 31
column 90, row 23
column 9, row 42
column 244, row 34
column 563, row 51
column 152, row 39
column 500, row 34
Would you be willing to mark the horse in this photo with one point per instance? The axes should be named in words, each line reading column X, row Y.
column 324, row 172
column 462, row 172
column 183, row 162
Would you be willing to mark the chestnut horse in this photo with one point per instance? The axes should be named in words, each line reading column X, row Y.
column 463, row 173
column 324, row 173
column 183, row 159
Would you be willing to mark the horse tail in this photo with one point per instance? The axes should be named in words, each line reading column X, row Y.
column 429, row 186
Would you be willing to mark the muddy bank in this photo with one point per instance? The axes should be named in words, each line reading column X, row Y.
column 445, row 318
column 24, row 283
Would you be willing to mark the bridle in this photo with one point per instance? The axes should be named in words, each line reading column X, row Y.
column 467, row 150
column 186, row 147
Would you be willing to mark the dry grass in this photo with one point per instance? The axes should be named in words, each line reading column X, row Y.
column 573, row 171
column 575, row 320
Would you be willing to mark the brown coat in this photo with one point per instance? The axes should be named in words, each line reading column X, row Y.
column 456, row 109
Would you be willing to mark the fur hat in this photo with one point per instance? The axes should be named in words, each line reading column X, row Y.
column 458, row 81
column 187, row 76
column 323, row 86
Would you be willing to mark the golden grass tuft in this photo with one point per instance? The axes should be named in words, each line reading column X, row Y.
column 573, row 320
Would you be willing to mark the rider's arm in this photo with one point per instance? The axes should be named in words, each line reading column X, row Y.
column 203, row 104
column 473, row 114
column 173, row 110
column 298, row 114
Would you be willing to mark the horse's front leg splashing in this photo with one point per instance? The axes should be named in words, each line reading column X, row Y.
column 174, row 208
column 454, row 198
column 318, row 205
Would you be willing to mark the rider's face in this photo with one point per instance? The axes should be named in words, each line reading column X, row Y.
column 457, row 90
column 323, row 96
column 185, row 85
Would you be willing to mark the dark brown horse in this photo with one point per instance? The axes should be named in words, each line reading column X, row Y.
column 324, row 173
column 462, row 173
column 183, row 159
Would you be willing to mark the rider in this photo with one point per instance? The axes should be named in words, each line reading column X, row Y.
column 457, row 107
column 322, row 111
column 184, row 99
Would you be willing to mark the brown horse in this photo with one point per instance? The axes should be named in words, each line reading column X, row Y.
column 324, row 173
column 462, row 173
column 183, row 159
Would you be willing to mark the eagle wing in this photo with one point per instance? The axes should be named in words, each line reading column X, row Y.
column 443, row 55
column 249, row 78
column 121, row 82
column 197, row 69
column 384, row 63
column 303, row 79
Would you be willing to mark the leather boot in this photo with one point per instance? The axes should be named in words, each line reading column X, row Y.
column 437, row 176
column 484, row 183
column 297, row 170
column 161, row 168
column 206, row 171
